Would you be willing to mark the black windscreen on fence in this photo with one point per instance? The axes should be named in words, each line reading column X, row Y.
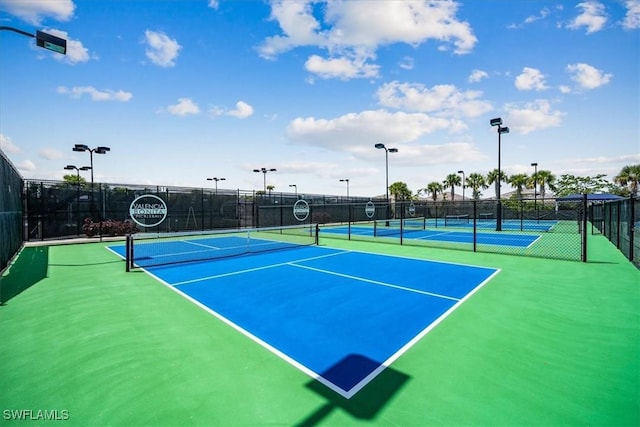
column 10, row 211
column 550, row 228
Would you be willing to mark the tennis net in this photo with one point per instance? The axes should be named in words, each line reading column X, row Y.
column 154, row 249
column 451, row 220
column 395, row 227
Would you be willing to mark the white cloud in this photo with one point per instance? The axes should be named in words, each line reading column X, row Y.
column 7, row 145
column 632, row 18
column 184, row 107
column 162, row 50
column 95, row 94
column 26, row 166
column 587, row 76
column 530, row 79
column 477, row 75
column 407, row 63
column 213, row 4
column 242, row 111
column 443, row 100
column 593, row 17
column 343, row 68
column 345, row 133
column 533, row 116
column 34, row 12
column 351, row 31
column 50, row 154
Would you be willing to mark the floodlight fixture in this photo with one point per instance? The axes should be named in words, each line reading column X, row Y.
column 496, row 122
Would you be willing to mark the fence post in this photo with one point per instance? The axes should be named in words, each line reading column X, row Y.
column 583, row 231
column 631, row 221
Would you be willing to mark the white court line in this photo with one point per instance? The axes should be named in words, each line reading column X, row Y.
column 249, row 270
column 375, row 282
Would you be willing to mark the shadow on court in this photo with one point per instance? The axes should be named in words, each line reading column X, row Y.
column 28, row 269
column 367, row 403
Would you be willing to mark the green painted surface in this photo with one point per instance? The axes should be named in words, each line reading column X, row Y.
column 546, row 342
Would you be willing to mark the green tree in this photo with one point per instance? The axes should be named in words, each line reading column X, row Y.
column 476, row 181
column 434, row 188
column 492, row 178
column 570, row 184
column 74, row 179
column 451, row 181
column 400, row 191
column 518, row 181
column 629, row 177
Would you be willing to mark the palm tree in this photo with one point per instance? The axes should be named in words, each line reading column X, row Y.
column 629, row 176
column 400, row 191
column 476, row 181
column 545, row 179
column 518, row 181
column 492, row 178
column 451, row 181
column 434, row 188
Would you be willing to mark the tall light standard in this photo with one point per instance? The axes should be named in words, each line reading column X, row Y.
column 295, row 187
column 347, row 181
column 77, row 169
column 97, row 150
column 264, row 172
column 463, row 182
column 216, row 179
column 501, row 129
column 535, row 188
column 386, row 160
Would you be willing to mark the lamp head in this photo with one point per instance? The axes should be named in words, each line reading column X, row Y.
column 393, row 150
column 503, row 129
column 460, row 171
column 496, row 122
column 379, row 145
column 80, row 147
column 534, row 164
column 70, row 167
column 102, row 150
column 272, row 170
column 85, row 168
column 256, row 170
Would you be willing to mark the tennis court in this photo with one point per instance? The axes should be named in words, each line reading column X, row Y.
column 316, row 336
column 390, row 229
column 340, row 316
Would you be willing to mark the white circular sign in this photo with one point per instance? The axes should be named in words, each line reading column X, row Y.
column 148, row 210
column 370, row 209
column 412, row 209
column 301, row 210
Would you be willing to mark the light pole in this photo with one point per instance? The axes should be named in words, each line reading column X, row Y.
column 535, row 188
column 463, row 182
column 264, row 172
column 77, row 169
column 347, row 181
column 295, row 187
column 44, row 40
column 97, row 150
column 501, row 129
column 216, row 179
column 386, row 161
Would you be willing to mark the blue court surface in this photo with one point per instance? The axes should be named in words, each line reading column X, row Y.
column 441, row 235
column 339, row 316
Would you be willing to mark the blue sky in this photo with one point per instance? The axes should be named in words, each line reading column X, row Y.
column 182, row 91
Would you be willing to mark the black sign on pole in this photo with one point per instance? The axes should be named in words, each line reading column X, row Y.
column 51, row 42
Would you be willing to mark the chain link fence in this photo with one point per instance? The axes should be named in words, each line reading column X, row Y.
column 618, row 221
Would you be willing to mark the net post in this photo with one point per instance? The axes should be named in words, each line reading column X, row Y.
column 317, row 236
column 127, row 250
